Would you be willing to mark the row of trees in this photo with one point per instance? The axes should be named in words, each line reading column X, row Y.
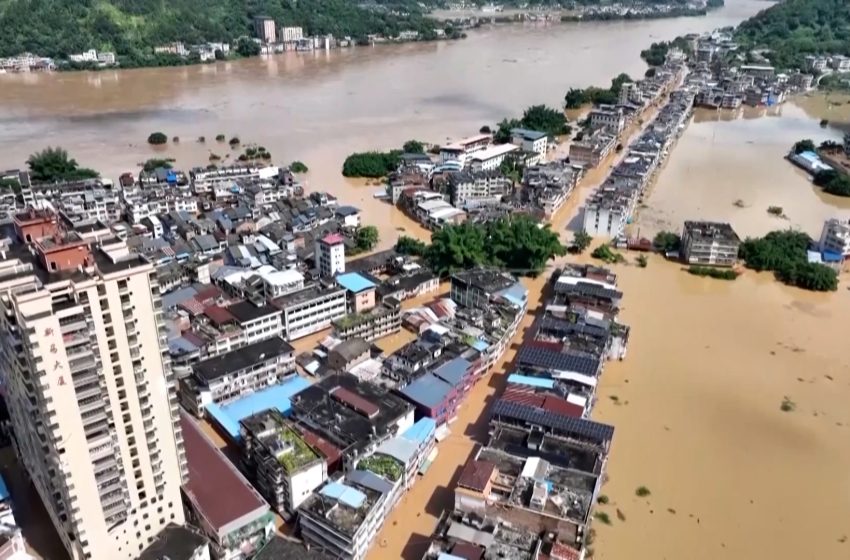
column 54, row 164
column 575, row 98
column 518, row 244
column 784, row 253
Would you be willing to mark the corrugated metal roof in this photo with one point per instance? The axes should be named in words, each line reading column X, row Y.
column 531, row 381
column 399, row 448
column 428, row 391
column 453, row 371
column 347, row 495
column 421, row 431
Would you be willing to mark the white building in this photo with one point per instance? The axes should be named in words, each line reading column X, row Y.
column 330, row 255
column 461, row 150
column 89, row 388
column 840, row 63
column 607, row 213
column 311, row 310
column 530, row 141
column 491, row 158
column 291, row 34
column 87, row 56
column 265, row 29
column 835, row 237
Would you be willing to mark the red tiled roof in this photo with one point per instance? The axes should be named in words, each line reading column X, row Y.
column 355, row 401
column 194, row 338
column 209, row 292
column 476, row 475
column 560, row 551
column 217, row 490
column 555, row 346
column 333, row 238
column 560, row 406
column 522, row 396
column 467, row 551
column 218, row 315
column 192, row 305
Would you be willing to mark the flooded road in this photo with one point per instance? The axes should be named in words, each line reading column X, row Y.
column 319, row 107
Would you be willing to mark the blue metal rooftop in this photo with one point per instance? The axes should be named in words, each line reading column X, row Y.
column 343, row 494
column 423, row 430
column 453, row 371
column 428, row 391
column 531, row 381
column 354, row 282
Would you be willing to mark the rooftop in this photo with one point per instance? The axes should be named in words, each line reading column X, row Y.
column 485, row 279
column 277, row 397
column 343, row 505
column 333, row 239
column 711, row 231
column 525, row 415
column 282, row 441
column 175, row 543
column 242, row 358
column 279, row 548
column 218, row 491
column 427, row 390
column 528, row 134
column 354, row 282
column 245, row 311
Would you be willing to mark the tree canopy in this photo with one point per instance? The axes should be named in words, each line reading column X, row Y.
column 54, row 164
column 298, row 167
column 804, row 146
column 833, row 182
column 575, row 98
column 541, row 118
column 784, row 253
column 517, row 243
column 793, row 29
column 366, row 238
column 410, row 246
column 413, row 147
column 157, row 138
column 371, row 164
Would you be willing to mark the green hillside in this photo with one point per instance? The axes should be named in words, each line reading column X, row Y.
column 132, row 27
column 796, row 28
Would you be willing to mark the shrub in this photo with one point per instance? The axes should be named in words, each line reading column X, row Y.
column 234, row 141
column 603, row 517
column 602, row 499
column 667, row 241
column 642, row 492
column 298, row 167
column 201, row 139
column 157, row 139
column 787, row 405
column 176, row 139
column 604, row 253
column 711, row 272
column 220, row 137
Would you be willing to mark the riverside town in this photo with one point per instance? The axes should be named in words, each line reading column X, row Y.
column 592, row 328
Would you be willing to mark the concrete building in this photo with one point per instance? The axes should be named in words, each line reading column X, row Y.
column 491, row 158
column 12, row 545
column 607, row 211
column 816, row 64
column 593, row 148
column 229, row 376
column 530, row 140
column 291, row 34
column 361, row 291
column 330, row 255
column 478, row 287
column 89, row 387
column 265, row 29
column 478, row 188
column 835, row 237
column 461, row 150
column 219, row 501
column 709, row 243
column 608, row 116
column 311, row 309
column 348, row 354
column 177, row 543
column 284, row 467
column 376, row 323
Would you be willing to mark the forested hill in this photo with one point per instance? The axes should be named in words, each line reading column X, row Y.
column 131, row 27
column 796, row 28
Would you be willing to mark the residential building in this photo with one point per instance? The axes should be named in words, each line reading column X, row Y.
column 177, row 48
column 361, row 291
column 82, row 315
column 257, row 322
column 593, row 148
column 330, row 255
column 219, row 501
column 530, row 141
column 265, row 29
column 548, row 186
column 344, row 517
column 840, row 63
column 608, row 210
column 177, row 543
column 229, row 376
column 311, row 309
column 291, row 34
column 439, row 393
column 280, row 548
column 477, row 188
column 348, row 354
column 378, row 322
column 709, row 243
column 479, row 287
column 352, row 415
column 490, row 158
column 285, row 468
column 608, row 116
column 835, row 237
column 461, row 150
column 348, row 216
column 816, row 64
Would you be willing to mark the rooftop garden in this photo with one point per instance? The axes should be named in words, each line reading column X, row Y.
column 298, row 453
column 351, row 320
column 382, row 465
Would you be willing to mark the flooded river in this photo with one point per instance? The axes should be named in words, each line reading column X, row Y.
column 319, row 107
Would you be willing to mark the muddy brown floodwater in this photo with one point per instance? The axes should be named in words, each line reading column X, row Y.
column 319, row 107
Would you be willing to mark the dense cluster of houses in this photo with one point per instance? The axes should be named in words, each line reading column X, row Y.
column 609, row 209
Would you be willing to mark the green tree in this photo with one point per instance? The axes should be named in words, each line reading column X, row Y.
column 545, row 119
column 581, row 241
column 410, row 246
column 667, row 241
column 575, row 98
column 154, row 163
column 157, row 139
column 298, row 167
column 413, row 147
column 784, row 253
column 804, row 146
column 371, row 164
column 54, row 164
column 245, row 46
column 503, row 130
column 366, row 238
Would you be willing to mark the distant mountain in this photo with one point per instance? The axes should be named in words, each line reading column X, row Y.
column 132, row 27
column 796, row 28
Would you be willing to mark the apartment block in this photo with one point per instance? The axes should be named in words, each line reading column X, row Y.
column 709, row 243
column 285, row 468
column 311, row 309
column 330, row 255
column 89, row 386
column 376, row 323
column 227, row 377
